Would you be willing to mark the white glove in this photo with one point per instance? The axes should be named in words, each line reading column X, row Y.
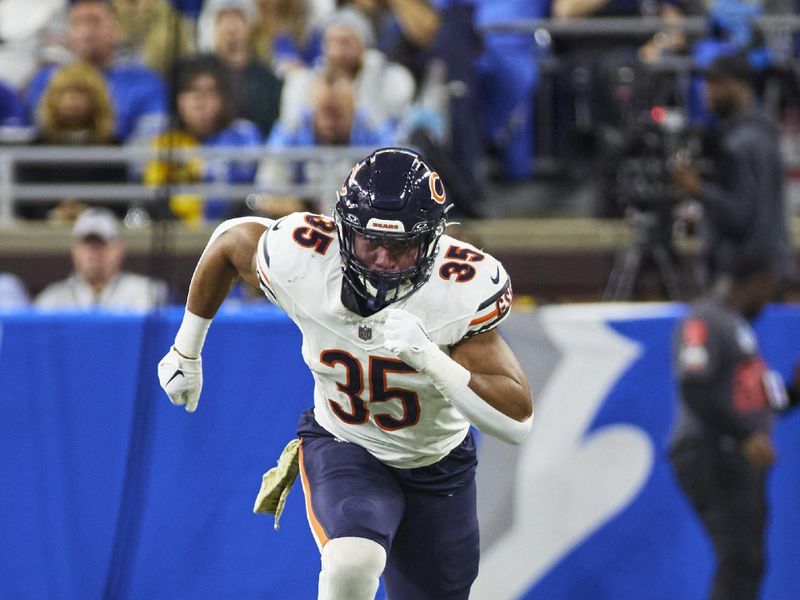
column 181, row 378
column 405, row 336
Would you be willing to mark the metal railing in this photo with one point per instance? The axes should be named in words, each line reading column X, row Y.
column 600, row 26
column 329, row 163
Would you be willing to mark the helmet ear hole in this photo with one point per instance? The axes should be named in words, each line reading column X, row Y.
column 392, row 194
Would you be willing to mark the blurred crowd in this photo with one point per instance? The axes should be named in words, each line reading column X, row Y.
column 442, row 76
column 174, row 76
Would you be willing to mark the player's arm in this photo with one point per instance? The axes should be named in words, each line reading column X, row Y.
column 229, row 255
column 481, row 378
column 227, row 258
column 495, row 374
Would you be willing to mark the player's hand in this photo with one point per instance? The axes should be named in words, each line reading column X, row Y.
column 181, row 378
column 758, row 449
column 405, row 336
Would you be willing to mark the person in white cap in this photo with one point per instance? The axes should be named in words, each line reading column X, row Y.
column 97, row 280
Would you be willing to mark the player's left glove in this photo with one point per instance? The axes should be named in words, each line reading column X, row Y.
column 405, row 336
column 181, row 378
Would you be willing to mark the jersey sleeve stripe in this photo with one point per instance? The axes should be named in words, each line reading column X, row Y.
column 264, row 248
column 262, row 265
column 484, row 318
column 263, row 280
column 487, row 327
column 491, row 324
column 266, row 289
column 493, row 299
column 497, row 307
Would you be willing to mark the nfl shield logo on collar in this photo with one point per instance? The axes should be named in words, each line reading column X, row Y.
column 365, row 332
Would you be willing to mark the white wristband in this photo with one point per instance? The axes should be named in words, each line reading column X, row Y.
column 192, row 335
column 452, row 380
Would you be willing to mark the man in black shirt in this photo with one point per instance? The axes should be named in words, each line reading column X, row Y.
column 744, row 210
column 721, row 448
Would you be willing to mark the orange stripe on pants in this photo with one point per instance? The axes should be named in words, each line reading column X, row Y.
column 316, row 526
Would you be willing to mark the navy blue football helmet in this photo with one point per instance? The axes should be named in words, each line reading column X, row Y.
column 391, row 197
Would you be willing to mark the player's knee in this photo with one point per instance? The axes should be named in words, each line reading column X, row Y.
column 352, row 567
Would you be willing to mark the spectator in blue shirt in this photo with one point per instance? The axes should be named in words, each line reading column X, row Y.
column 138, row 94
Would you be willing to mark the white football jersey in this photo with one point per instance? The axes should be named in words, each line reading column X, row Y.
column 363, row 393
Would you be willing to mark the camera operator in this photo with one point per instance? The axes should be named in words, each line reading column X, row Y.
column 742, row 200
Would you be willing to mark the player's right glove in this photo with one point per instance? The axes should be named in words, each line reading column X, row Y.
column 181, row 378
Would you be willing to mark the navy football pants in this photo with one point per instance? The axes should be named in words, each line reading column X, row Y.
column 425, row 518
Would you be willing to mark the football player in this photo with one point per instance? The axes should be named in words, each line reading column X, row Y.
column 399, row 331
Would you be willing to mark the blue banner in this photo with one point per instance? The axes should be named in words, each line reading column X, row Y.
column 110, row 491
